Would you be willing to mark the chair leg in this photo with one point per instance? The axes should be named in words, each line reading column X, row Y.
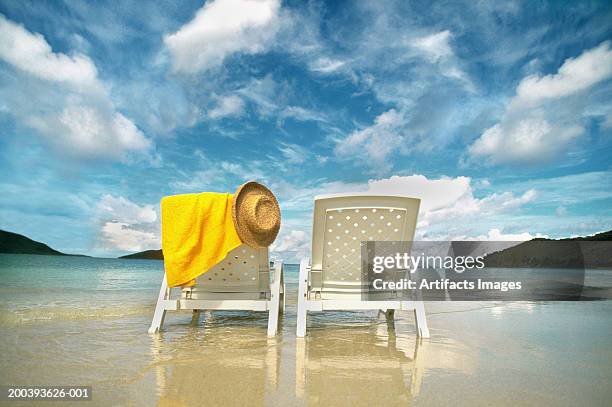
column 301, row 306
column 195, row 317
column 421, row 320
column 160, row 310
column 301, row 320
column 273, row 319
column 283, row 300
column 283, row 295
column 390, row 314
column 275, row 293
column 273, row 314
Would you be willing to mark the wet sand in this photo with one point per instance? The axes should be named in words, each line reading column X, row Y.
column 80, row 321
column 479, row 354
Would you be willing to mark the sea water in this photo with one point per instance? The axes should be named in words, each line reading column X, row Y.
column 83, row 321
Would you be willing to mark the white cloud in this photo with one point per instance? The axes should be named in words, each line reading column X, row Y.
column 65, row 100
column 467, row 206
column 576, row 74
column 92, row 132
column 437, row 49
column 545, row 116
column 326, row 65
column 435, row 46
column 265, row 93
column 31, row 53
column 434, row 193
column 376, row 143
column 127, row 226
column 295, row 243
column 120, row 236
column 301, row 114
column 121, row 209
column 484, row 183
column 448, row 199
column 293, row 153
column 222, row 28
column 531, row 139
column 496, row 235
column 217, row 175
column 231, row 105
column 449, row 209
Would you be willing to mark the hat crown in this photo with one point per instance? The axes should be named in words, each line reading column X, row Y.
column 261, row 215
column 256, row 214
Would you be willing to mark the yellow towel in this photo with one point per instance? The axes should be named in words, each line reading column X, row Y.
column 197, row 233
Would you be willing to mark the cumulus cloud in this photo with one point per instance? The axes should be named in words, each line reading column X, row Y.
column 91, row 131
column 31, row 53
column 121, row 236
column 121, row 209
column 435, row 194
column 530, row 139
column 127, row 226
column 545, row 116
column 448, row 199
column 230, row 105
column 222, row 28
column 376, row 143
column 65, row 100
column 576, row 74
column 449, row 208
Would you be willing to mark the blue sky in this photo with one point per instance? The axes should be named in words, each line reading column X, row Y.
column 498, row 115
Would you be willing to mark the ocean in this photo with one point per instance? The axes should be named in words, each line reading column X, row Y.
column 83, row 321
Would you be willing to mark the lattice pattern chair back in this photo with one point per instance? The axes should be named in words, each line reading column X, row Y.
column 342, row 223
column 243, row 270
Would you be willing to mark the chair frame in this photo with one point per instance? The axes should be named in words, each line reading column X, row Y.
column 274, row 305
column 306, row 303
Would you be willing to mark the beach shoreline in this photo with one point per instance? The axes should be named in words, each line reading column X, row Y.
column 522, row 353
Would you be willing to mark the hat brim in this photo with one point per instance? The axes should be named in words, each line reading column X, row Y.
column 246, row 236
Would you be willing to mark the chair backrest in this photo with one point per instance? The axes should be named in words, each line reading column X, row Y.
column 244, row 269
column 342, row 222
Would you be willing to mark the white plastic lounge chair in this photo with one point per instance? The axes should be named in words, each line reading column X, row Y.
column 332, row 280
column 243, row 280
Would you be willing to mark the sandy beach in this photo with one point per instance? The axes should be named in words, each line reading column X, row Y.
column 479, row 353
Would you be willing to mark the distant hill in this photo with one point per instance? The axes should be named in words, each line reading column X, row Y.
column 19, row 244
column 147, row 254
column 591, row 251
column 599, row 237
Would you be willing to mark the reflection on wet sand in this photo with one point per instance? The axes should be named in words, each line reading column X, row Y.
column 348, row 358
column 480, row 354
column 209, row 365
column 362, row 365
column 359, row 358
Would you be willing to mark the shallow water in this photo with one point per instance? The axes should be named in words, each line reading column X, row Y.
column 82, row 321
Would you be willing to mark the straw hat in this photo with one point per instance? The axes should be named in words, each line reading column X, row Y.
column 256, row 214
